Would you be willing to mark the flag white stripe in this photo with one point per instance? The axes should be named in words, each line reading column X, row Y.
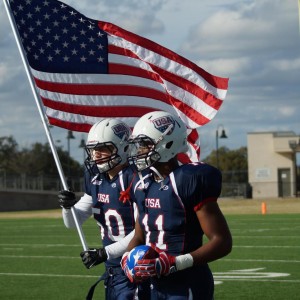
column 91, row 100
column 129, row 61
column 100, row 79
column 82, row 119
column 167, row 64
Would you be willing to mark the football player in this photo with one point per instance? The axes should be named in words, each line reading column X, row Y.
column 177, row 205
column 108, row 179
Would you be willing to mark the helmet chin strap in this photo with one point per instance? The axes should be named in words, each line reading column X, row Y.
column 159, row 179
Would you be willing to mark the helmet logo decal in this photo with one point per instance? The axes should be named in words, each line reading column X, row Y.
column 120, row 130
column 163, row 123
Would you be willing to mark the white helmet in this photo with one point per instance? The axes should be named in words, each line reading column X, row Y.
column 164, row 134
column 113, row 135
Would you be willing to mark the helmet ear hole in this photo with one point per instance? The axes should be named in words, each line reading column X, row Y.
column 169, row 144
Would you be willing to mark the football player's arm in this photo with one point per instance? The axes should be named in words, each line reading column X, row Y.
column 117, row 249
column 215, row 227
column 211, row 218
column 83, row 210
column 95, row 256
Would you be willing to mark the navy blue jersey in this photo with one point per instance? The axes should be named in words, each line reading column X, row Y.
column 115, row 218
column 167, row 210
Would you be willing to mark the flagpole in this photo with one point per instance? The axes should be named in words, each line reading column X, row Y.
column 299, row 13
column 43, row 117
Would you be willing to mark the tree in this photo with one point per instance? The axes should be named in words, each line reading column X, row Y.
column 8, row 151
column 232, row 163
column 35, row 160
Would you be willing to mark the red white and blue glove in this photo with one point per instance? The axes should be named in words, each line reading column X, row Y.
column 163, row 265
column 125, row 267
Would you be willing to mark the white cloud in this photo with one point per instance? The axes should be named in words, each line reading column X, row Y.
column 285, row 64
column 287, row 111
column 247, row 27
column 226, row 66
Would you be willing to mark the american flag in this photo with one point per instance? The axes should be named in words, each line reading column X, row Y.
column 86, row 69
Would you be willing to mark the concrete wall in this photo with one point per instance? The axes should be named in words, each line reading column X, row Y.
column 267, row 153
column 23, row 200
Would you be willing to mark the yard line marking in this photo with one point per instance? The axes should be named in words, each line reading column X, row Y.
column 259, row 246
column 15, row 249
column 49, row 275
column 41, row 256
column 256, row 274
column 262, row 260
column 40, row 245
column 258, row 280
column 267, row 237
column 249, row 274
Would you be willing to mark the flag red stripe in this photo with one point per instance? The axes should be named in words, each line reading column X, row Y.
column 183, row 158
column 218, row 82
column 193, row 136
column 193, row 141
column 81, row 127
column 133, row 71
column 98, row 111
column 113, row 49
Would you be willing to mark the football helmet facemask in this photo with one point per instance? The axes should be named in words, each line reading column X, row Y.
column 157, row 137
column 107, row 145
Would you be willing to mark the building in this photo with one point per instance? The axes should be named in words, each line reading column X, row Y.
column 272, row 169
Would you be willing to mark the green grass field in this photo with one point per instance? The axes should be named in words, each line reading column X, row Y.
column 39, row 259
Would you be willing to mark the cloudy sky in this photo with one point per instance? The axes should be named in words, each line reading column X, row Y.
column 256, row 43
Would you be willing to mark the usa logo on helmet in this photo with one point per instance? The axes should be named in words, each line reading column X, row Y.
column 120, row 130
column 163, row 123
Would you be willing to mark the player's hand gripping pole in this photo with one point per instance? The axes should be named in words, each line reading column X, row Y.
column 43, row 117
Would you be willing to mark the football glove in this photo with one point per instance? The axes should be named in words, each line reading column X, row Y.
column 66, row 199
column 161, row 266
column 125, row 267
column 93, row 257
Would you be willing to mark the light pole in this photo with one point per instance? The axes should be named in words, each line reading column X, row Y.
column 69, row 136
column 82, row 145
column 222, row 136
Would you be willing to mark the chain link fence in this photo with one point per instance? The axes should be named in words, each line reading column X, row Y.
column 44, row 183
column 38, row 183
